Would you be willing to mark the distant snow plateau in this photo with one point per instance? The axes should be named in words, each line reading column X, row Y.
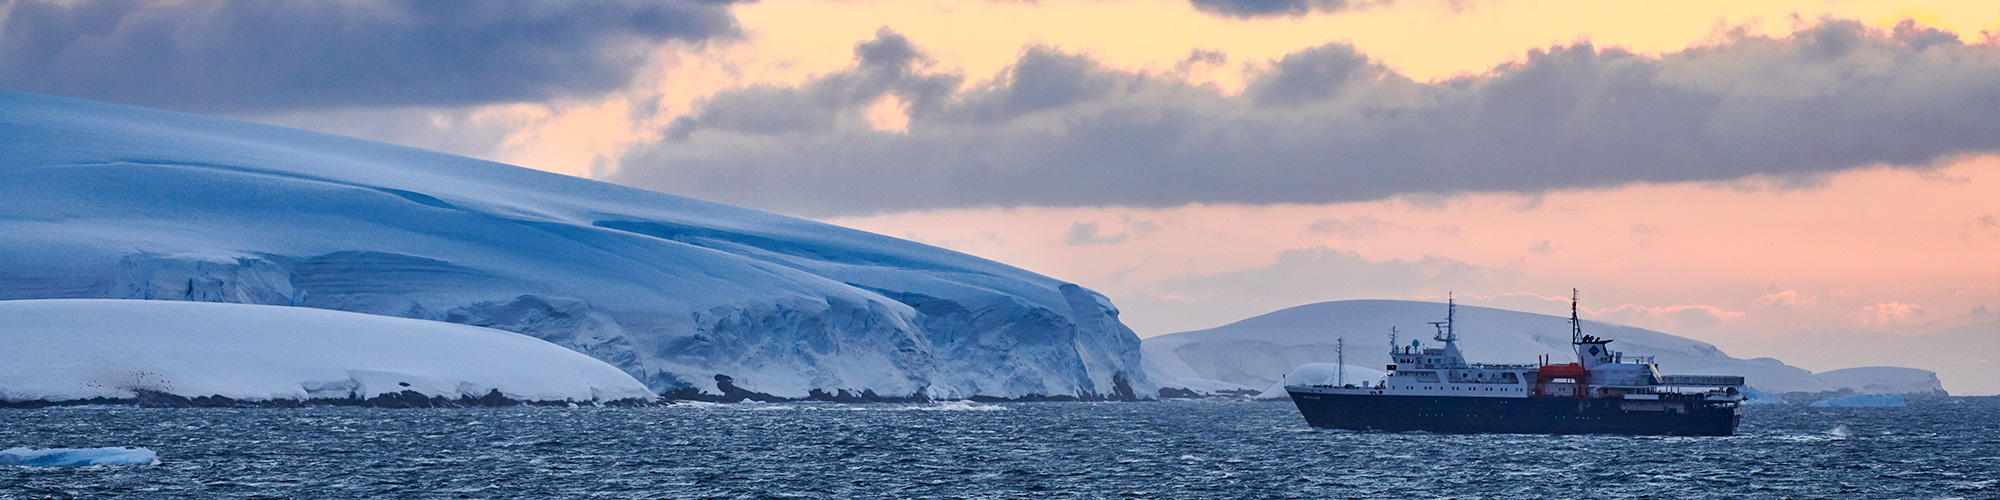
column 103, row 201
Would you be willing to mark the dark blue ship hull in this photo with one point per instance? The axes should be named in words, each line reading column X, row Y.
column 1446, row 414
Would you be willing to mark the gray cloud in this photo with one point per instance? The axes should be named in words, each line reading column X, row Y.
column 1329, row 125
column 1361, row 226
column 1085, row 234
column 259, row 56
column 1245, row 9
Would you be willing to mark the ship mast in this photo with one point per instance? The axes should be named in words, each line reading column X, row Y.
column 1575, row 324
column 1448, row 334
column 1392, row 340
column 1340, row 356
column 1445, row 332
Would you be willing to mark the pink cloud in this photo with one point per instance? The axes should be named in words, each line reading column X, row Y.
column 1787, row 298
column 1891, row 313
column 1677, row 319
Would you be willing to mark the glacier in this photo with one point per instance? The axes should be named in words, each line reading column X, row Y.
column 70, row 350
column 692, row 298
column 1261, row 350
column 65, row 457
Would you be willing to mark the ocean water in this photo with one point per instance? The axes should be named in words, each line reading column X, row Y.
column 1183, row 449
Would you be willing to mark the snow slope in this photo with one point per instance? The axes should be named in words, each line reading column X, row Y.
column 1884, row 380
column 109, row 201
column 74, row 349
column 1259, row 351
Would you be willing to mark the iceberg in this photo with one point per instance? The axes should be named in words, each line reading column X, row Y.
column 1863, row 400
column 1755, row 396
column 1885, row 380
column 689, row 297
column 62, row 457
column 73, row 350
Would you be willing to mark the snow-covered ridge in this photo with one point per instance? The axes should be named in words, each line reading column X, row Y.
column 109, row 201
column 78, row 349
column 1259, row 351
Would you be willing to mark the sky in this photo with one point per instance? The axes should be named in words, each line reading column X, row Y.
column 1815, row 181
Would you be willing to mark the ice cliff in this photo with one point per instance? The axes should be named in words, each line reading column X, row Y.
column 106, row 201
column 1259, row 351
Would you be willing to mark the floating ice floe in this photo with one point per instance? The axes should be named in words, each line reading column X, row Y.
column 80, row 349
column 62, row 457
column 1864, row 400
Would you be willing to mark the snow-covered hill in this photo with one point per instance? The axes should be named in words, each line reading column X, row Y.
column 68, row 350
column 106, row 201
column 1259, row 351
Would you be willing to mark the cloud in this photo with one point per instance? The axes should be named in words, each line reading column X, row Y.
column 1245, row 9
column 1328, row 124
column 1675, row 319
column 1360, row 226
column 255, row 56
column 1787, row 298
column 1085, row 234
column 1891, row 313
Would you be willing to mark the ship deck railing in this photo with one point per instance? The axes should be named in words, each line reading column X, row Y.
column 1505, row 366
column 1701, row 380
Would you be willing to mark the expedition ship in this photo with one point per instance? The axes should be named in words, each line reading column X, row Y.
column 1433, row 389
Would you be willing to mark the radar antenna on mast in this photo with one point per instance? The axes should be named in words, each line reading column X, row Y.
column 1575, row 324
column 1445, row 332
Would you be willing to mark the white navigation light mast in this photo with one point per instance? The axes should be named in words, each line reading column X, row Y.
column 1340, row 357
column 1392, row 340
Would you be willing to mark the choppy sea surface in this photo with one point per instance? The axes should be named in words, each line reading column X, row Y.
column 1947, row 448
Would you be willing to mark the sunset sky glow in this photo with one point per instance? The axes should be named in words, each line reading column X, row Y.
column 1757, row 175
